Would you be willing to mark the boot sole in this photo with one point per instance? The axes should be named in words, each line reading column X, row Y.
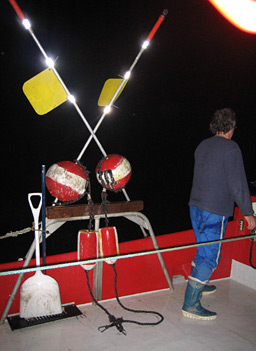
column 196, row 316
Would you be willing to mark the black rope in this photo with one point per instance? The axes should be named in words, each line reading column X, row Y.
column 114, row 322
column 135, row 311
column 91, row 213
column 90, row 202
column 104, row 195
column 254, row 267
column 106, row 177
column 89, row 195
column 100, row 173
column 118, row 322
column 104, row 204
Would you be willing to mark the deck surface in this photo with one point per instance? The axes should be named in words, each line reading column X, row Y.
column 234, row 328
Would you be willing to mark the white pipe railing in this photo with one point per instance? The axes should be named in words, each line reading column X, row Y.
column 135, row 254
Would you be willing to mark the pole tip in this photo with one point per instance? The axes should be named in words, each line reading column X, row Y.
column 165, row 12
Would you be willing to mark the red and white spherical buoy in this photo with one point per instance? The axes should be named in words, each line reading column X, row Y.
column 113, row 172
column 66, row 180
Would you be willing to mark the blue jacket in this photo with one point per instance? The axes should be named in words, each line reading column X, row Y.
column 219, row 178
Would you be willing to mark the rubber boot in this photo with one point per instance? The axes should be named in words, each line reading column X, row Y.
column 208, row 289
column 192, row 307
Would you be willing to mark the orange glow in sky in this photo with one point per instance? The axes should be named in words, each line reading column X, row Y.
column 241, row 13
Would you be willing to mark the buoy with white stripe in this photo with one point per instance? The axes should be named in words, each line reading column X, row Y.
column 108, row 243
column 67, row 181
column 113, row 172
column 87, row 247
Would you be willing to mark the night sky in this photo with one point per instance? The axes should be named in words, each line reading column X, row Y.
column 196, row 63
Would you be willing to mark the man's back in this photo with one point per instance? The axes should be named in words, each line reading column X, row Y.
column 219, row 177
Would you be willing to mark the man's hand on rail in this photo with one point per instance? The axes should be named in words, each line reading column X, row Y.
column 251, row 221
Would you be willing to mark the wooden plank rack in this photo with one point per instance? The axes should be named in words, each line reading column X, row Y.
column 58, row 215
column 54, row 212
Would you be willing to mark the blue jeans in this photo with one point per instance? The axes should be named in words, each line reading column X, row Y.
column 207, row 227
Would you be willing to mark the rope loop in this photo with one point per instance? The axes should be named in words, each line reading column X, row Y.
column 118, row 322
column 89, row 194
column 115, row 322
column 161, row 318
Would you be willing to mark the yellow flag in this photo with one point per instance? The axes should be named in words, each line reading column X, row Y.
column 44, row 92
column 108, row 91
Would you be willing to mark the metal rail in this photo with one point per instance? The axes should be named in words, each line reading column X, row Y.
column 135, row 254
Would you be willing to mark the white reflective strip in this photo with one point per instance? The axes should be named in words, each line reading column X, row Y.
column 66, row 178
column 221, row 237
column 197, row 280
column 122, row 170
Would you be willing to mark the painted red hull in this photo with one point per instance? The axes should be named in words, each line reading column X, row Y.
column 136, row 274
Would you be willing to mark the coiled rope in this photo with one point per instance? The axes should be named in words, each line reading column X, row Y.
column 118, row 322
column 136, row 311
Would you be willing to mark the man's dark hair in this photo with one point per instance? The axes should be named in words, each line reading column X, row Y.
column 223, row 121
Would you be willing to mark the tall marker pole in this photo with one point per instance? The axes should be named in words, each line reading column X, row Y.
column 126, row 76
column 27, row 25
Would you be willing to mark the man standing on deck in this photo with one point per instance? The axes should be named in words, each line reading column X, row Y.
column 219, row 181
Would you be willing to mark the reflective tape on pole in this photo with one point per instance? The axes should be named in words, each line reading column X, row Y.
column 157, row 25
